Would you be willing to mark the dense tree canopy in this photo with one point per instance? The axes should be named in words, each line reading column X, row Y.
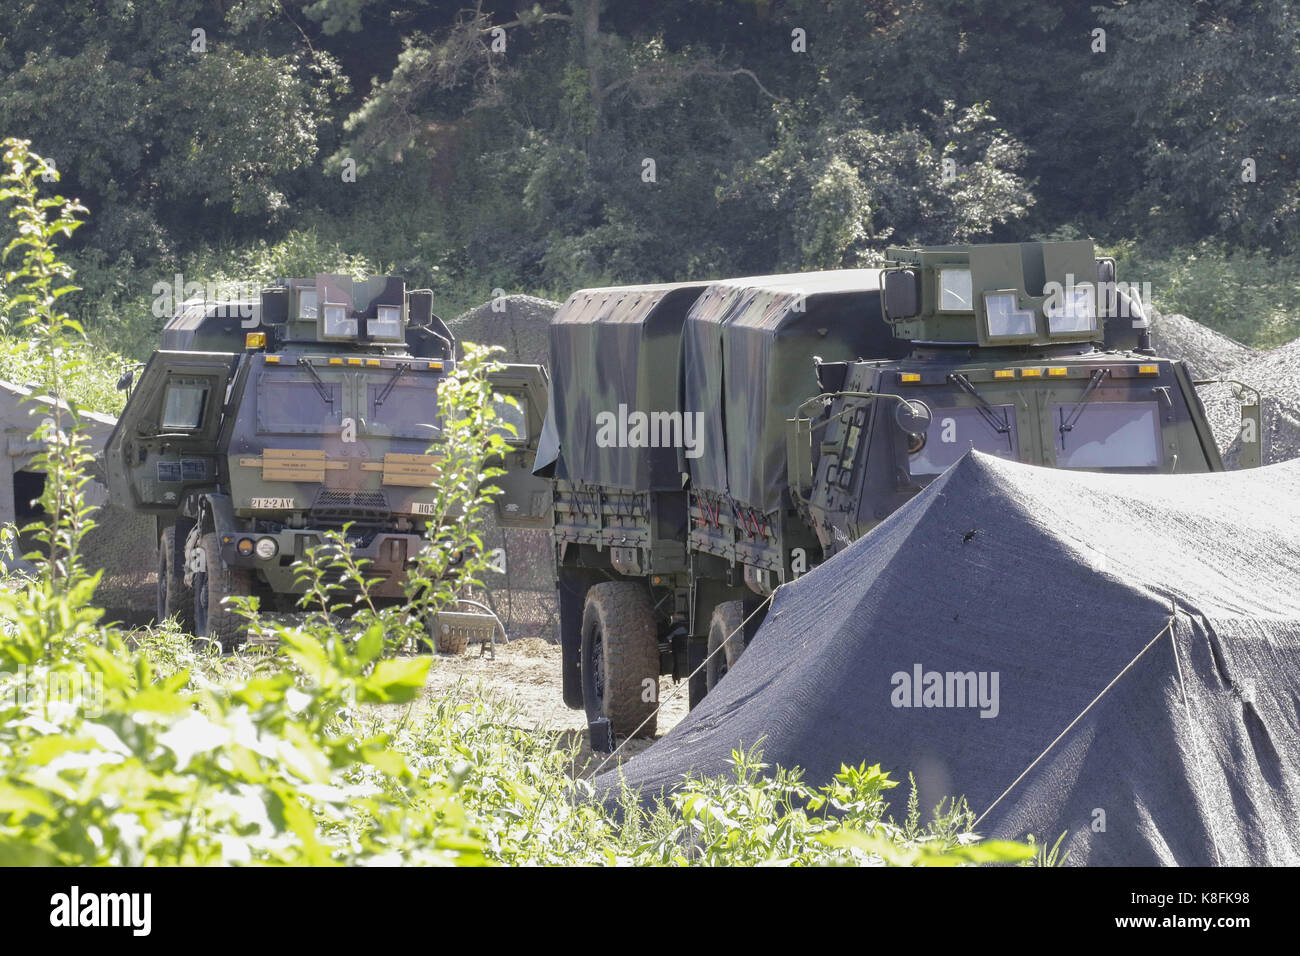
column 497, row 143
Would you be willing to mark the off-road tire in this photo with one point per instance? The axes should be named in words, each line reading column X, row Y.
column 725, row 623
column 212, row 619
column 175, row 599
column 620, row 651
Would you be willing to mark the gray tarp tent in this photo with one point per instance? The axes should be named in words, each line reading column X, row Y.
column 1145, row 634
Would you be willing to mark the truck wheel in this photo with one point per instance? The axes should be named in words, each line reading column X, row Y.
column 620, row 652
column 174, row 598
column 725, row 627
column 213, row 619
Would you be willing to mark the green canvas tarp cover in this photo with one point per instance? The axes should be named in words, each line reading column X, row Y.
column 1145, row 636
column 747, row 365
column 610, row 348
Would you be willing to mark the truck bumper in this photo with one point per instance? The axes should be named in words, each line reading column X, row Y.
column 388, row 557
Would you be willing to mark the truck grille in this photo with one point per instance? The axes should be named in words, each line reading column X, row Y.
column 347, row 504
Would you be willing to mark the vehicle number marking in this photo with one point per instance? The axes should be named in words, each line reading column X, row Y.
column 281, row 503
column 423, row 508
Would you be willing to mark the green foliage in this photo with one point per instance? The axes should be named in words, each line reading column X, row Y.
column 1253, row 297
column 90, row 371
column 1220, row 89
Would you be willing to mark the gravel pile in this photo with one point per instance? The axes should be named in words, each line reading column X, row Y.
column 1207, row 353
column 1274, row 372
column 520, row 324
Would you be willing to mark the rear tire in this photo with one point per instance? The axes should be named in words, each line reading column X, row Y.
column 725, row 627
column 620, row 653
column 174, row 598
column 213, row 619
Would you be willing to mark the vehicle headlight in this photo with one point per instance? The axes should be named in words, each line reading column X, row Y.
column 337, row 323
column 266, row 548
column 1003, row 319
column 387, row 323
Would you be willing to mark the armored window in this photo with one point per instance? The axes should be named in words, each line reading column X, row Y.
column 955, row 290
column 513, row 415
column 405, row 408
column 307, row 304
column 955, row 431
column 1108, row 435
column 290, row 403
column 1004, row 320
column 183, row 406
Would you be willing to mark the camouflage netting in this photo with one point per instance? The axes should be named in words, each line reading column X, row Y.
column 1275, row 373
column 520, row 323
column 523, row 597
column 1129, row 644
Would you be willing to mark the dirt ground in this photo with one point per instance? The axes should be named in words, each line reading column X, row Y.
column 528, row 671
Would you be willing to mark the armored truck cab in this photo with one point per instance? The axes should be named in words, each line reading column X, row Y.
column 263, row 424
column 1026, row 351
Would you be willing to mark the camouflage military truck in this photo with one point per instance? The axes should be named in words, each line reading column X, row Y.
column 259, row 425
column 706, row 442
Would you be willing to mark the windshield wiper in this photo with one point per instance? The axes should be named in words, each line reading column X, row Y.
column 319, row 382
column 402, row 368
column 997, row 419
column 1067, row 424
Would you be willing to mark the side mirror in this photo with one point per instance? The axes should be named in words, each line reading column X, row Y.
column 124, row 383
column 913, row 416
column 419, row 304
column 902, row 294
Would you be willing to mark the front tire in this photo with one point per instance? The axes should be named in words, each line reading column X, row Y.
column 214, row 619
column 620, row 658
column 174, row 598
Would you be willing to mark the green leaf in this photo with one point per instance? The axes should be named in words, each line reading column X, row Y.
column 397, row 681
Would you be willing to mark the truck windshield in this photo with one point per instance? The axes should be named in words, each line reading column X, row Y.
column 1108, row 435
column 955, row 431
column 289, row 402
column 405, row 407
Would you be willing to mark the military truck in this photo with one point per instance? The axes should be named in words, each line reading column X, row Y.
column 260, row 425
column 706, row 442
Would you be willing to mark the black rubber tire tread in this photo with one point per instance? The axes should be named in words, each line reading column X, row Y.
column 726, row 622
column 175, row 599
column 224, row 625
column 622, row 612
